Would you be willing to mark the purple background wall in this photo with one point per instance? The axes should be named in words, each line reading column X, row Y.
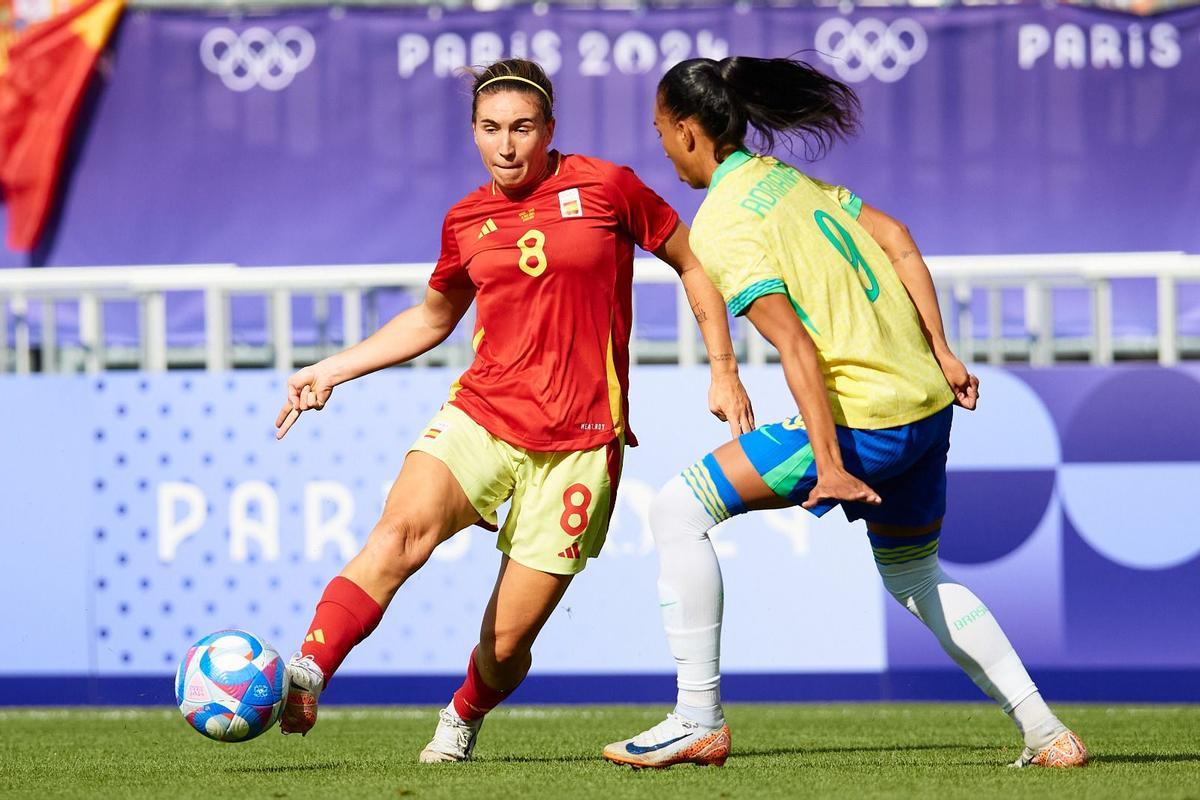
column 989, row 130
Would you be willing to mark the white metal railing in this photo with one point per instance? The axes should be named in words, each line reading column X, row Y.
column 958, row 278
column 1037, row 276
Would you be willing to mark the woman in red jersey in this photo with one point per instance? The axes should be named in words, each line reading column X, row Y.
column 545, row 249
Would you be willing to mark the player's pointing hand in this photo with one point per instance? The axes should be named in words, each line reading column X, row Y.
column 308, row 389
column 728, row 401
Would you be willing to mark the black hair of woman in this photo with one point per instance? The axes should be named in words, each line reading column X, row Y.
column 775, row 97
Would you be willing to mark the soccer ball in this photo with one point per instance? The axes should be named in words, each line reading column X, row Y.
column 231, row 686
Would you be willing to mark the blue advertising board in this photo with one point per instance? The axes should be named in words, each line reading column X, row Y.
column 142, row 511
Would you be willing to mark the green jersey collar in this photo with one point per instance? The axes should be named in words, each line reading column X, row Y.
column 731, row 162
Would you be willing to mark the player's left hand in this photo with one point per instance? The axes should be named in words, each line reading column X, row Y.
column 964, row 385
column 728, row 401
column 838, row 484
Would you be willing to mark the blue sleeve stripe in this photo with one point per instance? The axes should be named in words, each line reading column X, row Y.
column 742, row 300
column 704, row 491
column 729, row 496
column 853, row 206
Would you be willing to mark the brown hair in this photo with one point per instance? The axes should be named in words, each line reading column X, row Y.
column 514, row 75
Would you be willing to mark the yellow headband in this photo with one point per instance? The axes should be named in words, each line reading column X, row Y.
column 512, row 78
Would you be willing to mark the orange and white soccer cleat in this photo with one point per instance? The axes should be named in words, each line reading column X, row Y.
column 675, row 740
column 1063, row 753
column 305, row 682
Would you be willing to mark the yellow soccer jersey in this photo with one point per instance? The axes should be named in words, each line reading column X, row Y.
column 766, row 228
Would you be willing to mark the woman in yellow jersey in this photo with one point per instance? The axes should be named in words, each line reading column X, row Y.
column 842, row 292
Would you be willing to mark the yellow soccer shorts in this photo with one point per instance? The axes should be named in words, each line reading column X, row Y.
column 561, row 501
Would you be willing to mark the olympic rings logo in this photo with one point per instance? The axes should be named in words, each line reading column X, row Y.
column 871, row 48
column 257, row 57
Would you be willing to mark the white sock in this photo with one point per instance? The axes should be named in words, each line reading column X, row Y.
column 691, row 598
column 1036, row 722
column 969, row 633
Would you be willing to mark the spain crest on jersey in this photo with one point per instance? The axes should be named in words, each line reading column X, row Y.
column 569, row 204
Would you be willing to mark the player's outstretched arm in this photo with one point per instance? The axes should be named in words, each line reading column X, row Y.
column 727, row 398
column 775, row 319
column 407, row 335
column 894, row 239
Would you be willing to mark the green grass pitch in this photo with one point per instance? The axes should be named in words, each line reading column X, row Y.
column 849, row 750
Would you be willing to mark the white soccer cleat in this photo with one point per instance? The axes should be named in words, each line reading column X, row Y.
column 675, row 740
column 305, row 682
column 1063, row 753
column 453, row 740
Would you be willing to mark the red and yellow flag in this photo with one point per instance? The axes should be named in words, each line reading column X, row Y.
column 44, row 70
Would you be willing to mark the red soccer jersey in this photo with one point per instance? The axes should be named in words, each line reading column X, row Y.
column 553, row 272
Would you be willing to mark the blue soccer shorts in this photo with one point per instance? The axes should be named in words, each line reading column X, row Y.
column 905, row 465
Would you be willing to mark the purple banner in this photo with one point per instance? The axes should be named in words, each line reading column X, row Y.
column 341, row 135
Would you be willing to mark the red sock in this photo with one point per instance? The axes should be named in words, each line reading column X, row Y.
column 345, row 616
column 475, row 698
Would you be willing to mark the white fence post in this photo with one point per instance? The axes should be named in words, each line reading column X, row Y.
column 281, row 328
column 20, row 309
column 995, row 304
column 216, row 329
column 1168, row 344
column 965, row 320
column 321, row 319
column 685, row 327
column 153, row 331
column 3, row 334
column 91, row 332
column 1039, row 321
column 1102, row 322
column 49, row 336
column 351, row 317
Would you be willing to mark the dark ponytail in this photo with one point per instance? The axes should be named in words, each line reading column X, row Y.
column 774, row 96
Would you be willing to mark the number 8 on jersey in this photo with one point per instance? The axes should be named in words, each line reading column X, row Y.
column 533, row 254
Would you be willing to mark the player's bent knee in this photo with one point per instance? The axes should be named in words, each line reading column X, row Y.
column 676, row 512
column 400, row 546
column 664, row 507
column 910, row 583
column 908, row 565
